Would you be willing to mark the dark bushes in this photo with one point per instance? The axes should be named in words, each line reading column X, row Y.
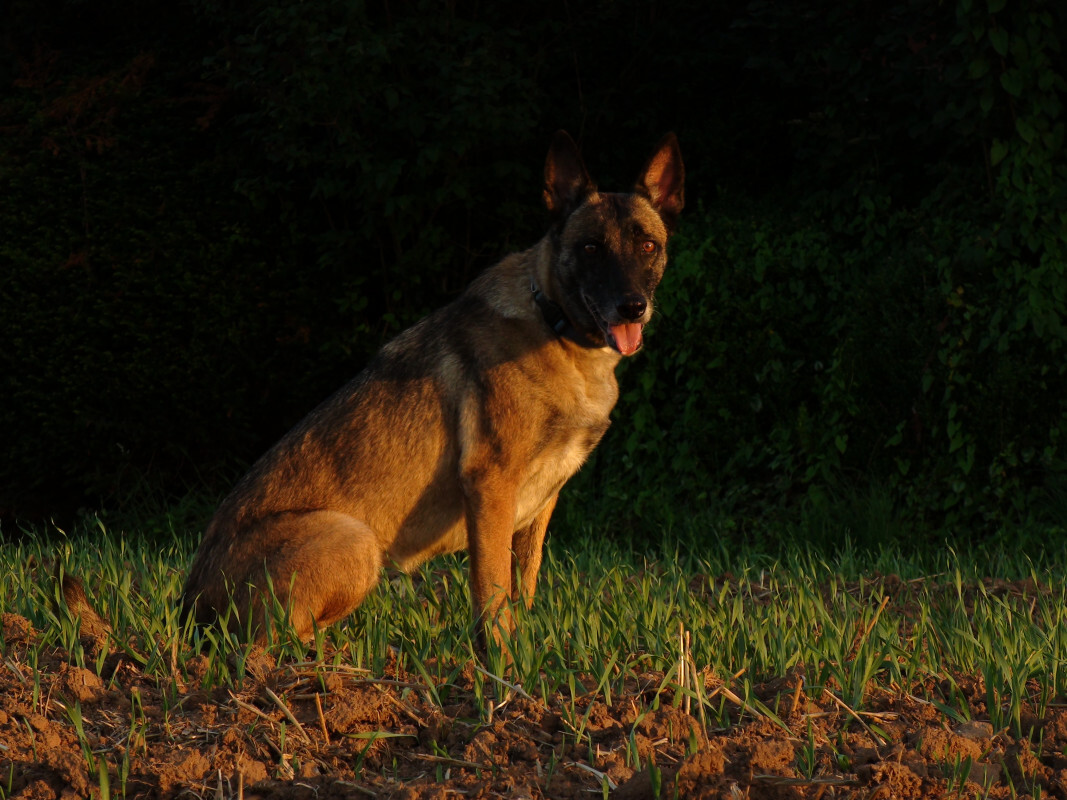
column 211, row 221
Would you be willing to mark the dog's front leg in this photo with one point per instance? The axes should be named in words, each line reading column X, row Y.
column 491, row 504
column 527, row 548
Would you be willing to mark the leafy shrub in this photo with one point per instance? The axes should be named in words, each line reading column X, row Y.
column 903, row 328
column 132, row 293
column 874, row 295
column 377, row 136
column 787, row 366
column 160, row 326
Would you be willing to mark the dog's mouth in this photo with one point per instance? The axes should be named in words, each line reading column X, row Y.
column 623, row 337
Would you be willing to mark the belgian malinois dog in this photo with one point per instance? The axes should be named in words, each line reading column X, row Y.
column 463, row 429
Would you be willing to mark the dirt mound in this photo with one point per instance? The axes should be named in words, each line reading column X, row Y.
column 308, row 730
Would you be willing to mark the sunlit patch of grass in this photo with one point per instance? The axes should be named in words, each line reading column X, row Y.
column 608, row 621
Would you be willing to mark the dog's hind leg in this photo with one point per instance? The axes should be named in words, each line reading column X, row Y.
column 321, row 565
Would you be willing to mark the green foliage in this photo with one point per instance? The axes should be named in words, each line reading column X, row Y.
column 210, row 220
column 789, row 365
column 604, row 612
column 214, row 215
column 130, row 296
column 909, row 343
column 378, row 136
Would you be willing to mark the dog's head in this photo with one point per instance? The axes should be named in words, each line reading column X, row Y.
column 611, row 248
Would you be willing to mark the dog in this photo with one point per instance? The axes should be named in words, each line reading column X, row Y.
column 462, row 430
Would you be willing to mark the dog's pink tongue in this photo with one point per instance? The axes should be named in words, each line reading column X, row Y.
column 627, row 337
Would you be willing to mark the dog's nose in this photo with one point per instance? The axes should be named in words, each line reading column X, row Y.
column 632, row 307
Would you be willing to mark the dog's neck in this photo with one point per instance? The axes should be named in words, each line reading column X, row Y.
column 557, row 320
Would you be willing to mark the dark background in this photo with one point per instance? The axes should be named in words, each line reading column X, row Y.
column 211, row 214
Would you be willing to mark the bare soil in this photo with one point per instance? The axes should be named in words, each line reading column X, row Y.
column 302, row 730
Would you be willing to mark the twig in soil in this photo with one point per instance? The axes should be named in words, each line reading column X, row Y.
column 368, row 682
column 515, row 687
column 403, row 707
column 252, row 708
column 861, row 636
column 878, row 741
column 327, row 667
column 602, row 776
column 879, row 715
column 322, row 720
column 357, row 787
column 288, row 714
column 532, row 733
column 729, row 694
column 683, row 650
column 174, row 671
column 778, row 780
column 796, row 696
column 390, row 682
column 456, row 762
column 689, row 681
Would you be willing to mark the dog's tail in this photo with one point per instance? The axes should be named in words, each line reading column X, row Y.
column 76, row 603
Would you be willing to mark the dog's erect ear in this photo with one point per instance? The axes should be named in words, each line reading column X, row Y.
column 663, row 180
column 567, row 183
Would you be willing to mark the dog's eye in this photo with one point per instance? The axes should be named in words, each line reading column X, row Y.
column 590, row 249
column 649, row 246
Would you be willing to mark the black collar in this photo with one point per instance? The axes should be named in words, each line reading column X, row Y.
column 558, row 321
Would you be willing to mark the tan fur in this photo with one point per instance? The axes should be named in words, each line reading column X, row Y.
column 463, row 429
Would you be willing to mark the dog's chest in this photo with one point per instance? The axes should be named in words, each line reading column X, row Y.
column 566, row 439
column 548, row 472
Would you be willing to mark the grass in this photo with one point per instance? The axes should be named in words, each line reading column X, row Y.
column 697, row 621
column 606, row 615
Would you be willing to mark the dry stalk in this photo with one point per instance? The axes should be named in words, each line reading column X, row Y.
column 322, row 719
column 515, row 687
column 861, row 636
column 878, row 741
column 288, row 714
